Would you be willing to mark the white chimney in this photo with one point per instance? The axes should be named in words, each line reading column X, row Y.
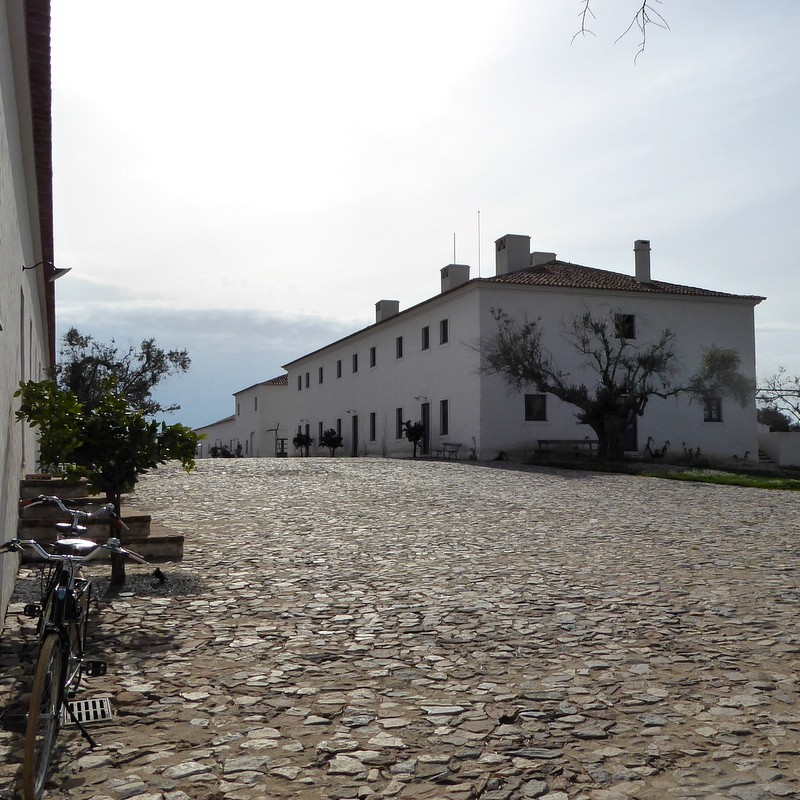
column 385, row 309
column 512, row 252
column 641, row 249
column 454, row 275
column 538, row 257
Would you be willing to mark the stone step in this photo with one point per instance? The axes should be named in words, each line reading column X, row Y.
column 34, row 485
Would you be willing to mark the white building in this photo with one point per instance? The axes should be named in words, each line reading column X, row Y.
column 258, row 426
column 424, row 363
column 27, row 304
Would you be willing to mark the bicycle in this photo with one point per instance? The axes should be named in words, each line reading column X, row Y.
column 63, row 616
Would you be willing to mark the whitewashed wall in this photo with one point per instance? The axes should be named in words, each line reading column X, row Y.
column 24, row 348
column 698, row 322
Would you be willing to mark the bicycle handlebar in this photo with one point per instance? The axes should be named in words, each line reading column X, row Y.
column 113, row 546
column 77, row 513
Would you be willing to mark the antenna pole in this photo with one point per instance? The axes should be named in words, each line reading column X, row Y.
column 479, row 244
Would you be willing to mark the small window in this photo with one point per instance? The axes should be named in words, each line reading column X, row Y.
column 398, row 418
column 625, row 325
column 426, row 338
column 308, row 380
column 319, row 432
column 373, row 356
column 398, row 347
column 372, row 425
column 339, row 426
column 444, row 417
column 339, row 368
column 238, row 409
column 444, row 332
column 712, row 409
column 535, row 407
column 255, row 403
column 299, row 383
column 355, row 362
column 320, row 375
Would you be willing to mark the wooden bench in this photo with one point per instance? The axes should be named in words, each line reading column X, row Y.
column 575, row 447
column 447, row 450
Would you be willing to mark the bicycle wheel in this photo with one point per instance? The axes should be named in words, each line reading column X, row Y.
column 44, row 717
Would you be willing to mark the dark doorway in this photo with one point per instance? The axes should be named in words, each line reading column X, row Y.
column 425, row 414
column 355, row 435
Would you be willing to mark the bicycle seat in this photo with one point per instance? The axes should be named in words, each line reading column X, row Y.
column 74, row 547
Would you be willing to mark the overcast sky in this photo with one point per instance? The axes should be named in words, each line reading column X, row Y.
column 246, row 179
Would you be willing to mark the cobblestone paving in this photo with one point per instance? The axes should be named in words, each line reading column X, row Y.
column 395, row 629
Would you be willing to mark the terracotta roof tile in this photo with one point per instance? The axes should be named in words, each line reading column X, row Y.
column 562, row 274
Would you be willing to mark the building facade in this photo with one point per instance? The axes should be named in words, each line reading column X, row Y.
column 425, row 364
column 27, row 300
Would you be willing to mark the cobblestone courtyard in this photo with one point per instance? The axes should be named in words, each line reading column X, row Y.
column 360, row 628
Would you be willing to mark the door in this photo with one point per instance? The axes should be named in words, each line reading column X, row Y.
column 355, row 436
column 425, row 414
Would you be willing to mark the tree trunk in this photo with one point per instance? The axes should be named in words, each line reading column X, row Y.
column 612, row 430
column 115, row 529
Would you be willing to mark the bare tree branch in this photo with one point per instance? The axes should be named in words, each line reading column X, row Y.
column 645, row 16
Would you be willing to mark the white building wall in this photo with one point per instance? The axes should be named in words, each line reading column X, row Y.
column 24, row 336
column 443, row 371
column 698, row 322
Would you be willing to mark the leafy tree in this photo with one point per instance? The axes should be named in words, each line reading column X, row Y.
column 86, row 365
column 781, row 391
column 625, row 373
column 331, row 440
column 302, row 441
column 111, row 443
column 415, row 433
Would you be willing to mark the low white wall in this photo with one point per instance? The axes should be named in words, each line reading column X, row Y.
column 781, row 446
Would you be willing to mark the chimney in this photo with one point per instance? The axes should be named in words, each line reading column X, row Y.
column 641, row 250
column 538, row 258
column 512, row 252
column 385, row 309
column 454, row 275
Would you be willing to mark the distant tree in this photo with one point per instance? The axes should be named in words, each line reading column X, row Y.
column 781, row 392
column 775, row 419
column 85, row 366
column 332, row 440
column 625, row 373
column 302, row 441
column 645, row 16
column 415, row 433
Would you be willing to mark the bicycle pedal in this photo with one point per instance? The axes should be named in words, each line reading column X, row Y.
column 32, row 610
column 95, row 669
column 15, row 723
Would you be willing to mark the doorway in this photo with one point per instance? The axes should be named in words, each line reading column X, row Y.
column 354, row 452
column 425, row 414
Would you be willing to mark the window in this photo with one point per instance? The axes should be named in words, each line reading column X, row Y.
column 444, row 417
column 372, row 426
column 398, row 423
column 426, row 338
column 319, row 434
column 398, row 347
column 339, row 426
column 299, row 383
column 373, row 356
column 308, row 380
column 255, row 402
column 355, row 362
column 238, row 409
column 339, row 368
column 444, row 332
column 712, row 409
column 625, row 325
column 535, row 407
column 320, row 375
